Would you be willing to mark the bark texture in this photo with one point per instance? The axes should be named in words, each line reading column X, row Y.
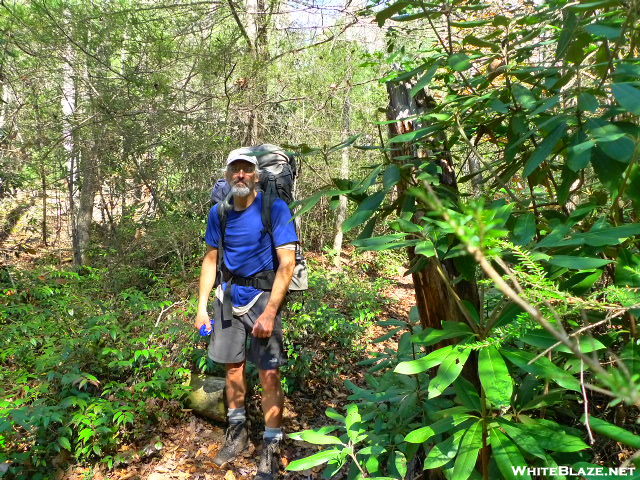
column 434, row 299
column 341, row 213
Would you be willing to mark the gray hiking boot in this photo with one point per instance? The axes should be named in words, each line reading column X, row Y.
column 236, row 442
column 268, row 465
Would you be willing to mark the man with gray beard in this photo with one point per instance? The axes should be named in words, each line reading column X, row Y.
column 257, row 269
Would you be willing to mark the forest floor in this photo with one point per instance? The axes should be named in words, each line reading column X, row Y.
column 189, row 445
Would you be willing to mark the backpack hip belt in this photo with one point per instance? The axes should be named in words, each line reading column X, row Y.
column 261, row 280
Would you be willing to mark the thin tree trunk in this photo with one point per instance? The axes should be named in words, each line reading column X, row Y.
column 90, row 182
column 88, row 170
column 68, row 105
column 258, row 19
column 43, row 182
column 344, row 174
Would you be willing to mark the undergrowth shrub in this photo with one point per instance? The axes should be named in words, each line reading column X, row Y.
column 84, row 370
column 325, row 326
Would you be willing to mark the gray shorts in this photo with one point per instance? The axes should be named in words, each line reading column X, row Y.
column 229, row 339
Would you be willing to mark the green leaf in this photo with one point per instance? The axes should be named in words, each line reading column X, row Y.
column 429, row 336
column 595, row 238
column 459, row 62
column 313, row 460
column 627, row 96
column 594, row 5
column 588, row 102
column 415, row 135
column 618, row 434
column 309, row 203
column 332, row 414
column 551, row 436
column 603, row 131
column 577, row 263
column 546, row 105
column 568, row 29
column 544, row 400
column 400, row 462
column 434, row 358
column 425, row 79
column 525, row 441
column 364, row 211
column 406, row 226
column 507, row 456
column 426, row 248
column 319, row 438
column 628, row 269
column 466, row 393
column 468, row 452
column 543, row 367
column 353, row 420
column 630, row 355
column 543, row 339
column 471, row 23
column 382, row 242
column 64, row 443
column 448, row 371
column 524, row 229
column 391, row 176
column 422, row 434
column 579, row 153
column 386, row 13
column 600, row 30
column 612, row 140
column 544, row 149
column 443, row 452
column 525, row 97
column 479, row 42
column 85, row 434
column 494, row 377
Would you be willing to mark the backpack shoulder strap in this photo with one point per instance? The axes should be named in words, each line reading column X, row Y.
column 268, row 198
column 222, row 215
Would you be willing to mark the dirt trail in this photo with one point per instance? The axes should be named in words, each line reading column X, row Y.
column 189, row 445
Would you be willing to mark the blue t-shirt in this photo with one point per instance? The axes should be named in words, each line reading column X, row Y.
column 248, row 247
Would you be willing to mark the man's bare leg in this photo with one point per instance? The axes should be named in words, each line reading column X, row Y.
column 272, row 398
column 236, row 384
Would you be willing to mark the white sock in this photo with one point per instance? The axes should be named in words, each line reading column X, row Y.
column 272, row 434
column 237, row 415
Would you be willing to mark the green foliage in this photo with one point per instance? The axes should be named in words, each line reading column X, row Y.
column 337, row 312
column 82, row 371
column 545, row 223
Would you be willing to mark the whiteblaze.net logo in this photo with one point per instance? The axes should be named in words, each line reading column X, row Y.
column 579, row 472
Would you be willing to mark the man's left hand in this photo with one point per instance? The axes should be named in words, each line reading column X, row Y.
column 263, row 327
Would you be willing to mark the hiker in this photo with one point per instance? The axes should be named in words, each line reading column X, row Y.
column 249, row 298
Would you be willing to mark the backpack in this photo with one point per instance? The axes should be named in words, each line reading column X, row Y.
column 278, row 174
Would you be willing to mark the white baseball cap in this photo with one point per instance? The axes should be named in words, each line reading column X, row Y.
column 243, row 153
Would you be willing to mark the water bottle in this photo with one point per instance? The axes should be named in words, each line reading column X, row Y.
column 204, row 331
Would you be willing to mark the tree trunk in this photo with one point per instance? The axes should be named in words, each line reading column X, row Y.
column 344, row 174
column 88, row 169
column 90, row 182
column 43, row 183
column 433, row 297
column 258, row 19
column 68, row 105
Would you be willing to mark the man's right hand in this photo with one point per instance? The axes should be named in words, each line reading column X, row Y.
column 202, row 318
